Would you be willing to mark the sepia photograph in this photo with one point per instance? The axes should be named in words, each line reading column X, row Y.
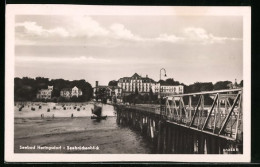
column 127, row 83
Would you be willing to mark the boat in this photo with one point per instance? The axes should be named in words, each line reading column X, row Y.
column 97, row 113
column 98, row 118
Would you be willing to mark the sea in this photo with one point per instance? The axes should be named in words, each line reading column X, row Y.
column 68, row 128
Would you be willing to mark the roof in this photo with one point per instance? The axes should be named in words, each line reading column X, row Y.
column 144, row 79
column 147, row 80
column 136, row 75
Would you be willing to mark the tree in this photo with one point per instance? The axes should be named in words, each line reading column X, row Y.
column 170, row 81
column 136, row 91
column 25, row 89
column 222, row 85
column 101, row 93
column 207, row 86
column 162, row 82
column 146, row 97
column 150, row 95
column 198, row 87
column 112, row 83
column 241, row 83
column 61, row 99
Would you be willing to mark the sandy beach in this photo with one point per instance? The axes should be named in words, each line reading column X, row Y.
column 58, row 110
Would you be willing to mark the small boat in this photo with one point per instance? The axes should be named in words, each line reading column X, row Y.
column 98, row 118
column 97, row 111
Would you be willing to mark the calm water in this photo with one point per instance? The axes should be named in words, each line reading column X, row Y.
column 74, row 135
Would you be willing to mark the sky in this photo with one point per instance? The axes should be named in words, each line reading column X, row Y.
column 104, row 47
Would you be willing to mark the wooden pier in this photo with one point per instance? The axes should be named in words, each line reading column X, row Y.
column 186, row 124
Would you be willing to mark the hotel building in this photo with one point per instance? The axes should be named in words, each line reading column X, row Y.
column 144, row 84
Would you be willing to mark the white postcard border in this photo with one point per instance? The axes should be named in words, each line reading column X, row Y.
column 12, row 10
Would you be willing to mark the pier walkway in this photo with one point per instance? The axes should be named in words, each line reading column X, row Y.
column 205, row 122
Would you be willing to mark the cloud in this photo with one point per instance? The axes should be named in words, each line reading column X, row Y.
column 86, row 26
column 87, row 31
column 72, row 30
column 79, row 60
column 77, row 29
column 196, row 34
column 120, row 32
column 169, row 38
column 32, row 28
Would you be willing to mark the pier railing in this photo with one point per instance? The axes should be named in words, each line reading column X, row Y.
column 217, row 112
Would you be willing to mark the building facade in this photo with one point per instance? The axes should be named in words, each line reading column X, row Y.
column 144, row 84
column 114, row 91
column 45, row 93
column 70, row 92
column 167, row 90
column 135, row 83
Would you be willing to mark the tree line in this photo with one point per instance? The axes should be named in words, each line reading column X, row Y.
column 25, row 89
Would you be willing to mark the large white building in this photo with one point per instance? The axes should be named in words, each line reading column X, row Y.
column 136, row 82
column 70, row 92
column 144, row 84
column 45, row 93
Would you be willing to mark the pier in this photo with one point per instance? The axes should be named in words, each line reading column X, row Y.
column 196, row 123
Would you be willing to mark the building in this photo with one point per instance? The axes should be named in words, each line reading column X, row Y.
column 136, row 82
column 45, row 93
column 167, row 90
column 114, row 91
column 71, row 92
column 144, row 84
column 105, row 92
